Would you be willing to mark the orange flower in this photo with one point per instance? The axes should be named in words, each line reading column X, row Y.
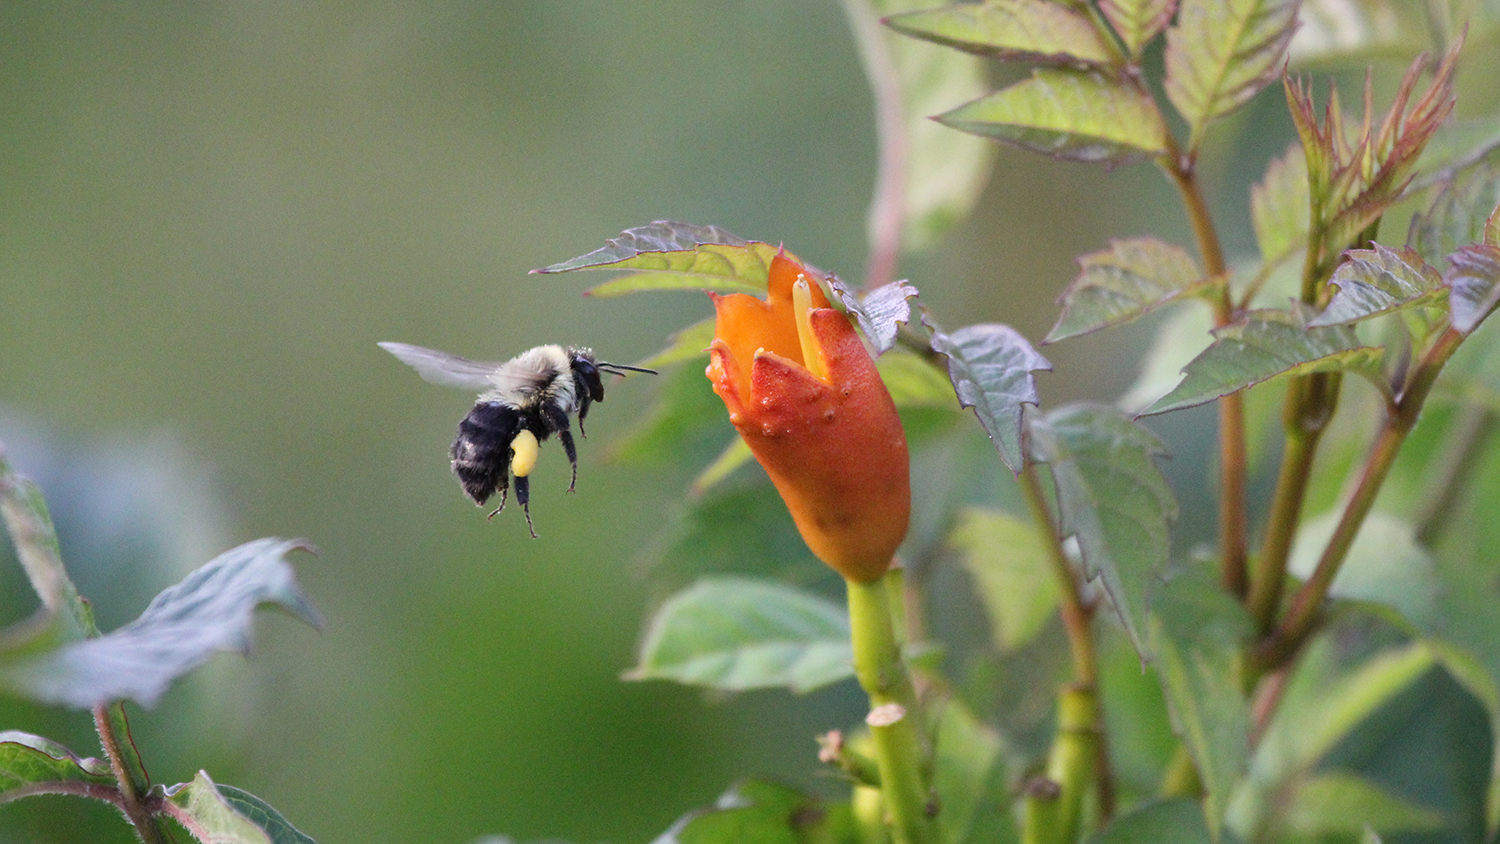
column 803, row 392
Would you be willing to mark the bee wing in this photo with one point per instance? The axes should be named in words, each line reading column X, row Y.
column 443, row 368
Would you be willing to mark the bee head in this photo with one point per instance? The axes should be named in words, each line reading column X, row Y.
column 586, row 369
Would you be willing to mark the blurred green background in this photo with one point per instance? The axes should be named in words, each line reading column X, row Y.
column 212, row 212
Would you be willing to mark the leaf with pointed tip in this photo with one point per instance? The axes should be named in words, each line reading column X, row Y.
column 1279, row 207
column 736, row 634
column 1457, row 215
column 1131, row 278
column 1070, row 114
column 1473, row 280
column 881, row 313
column 1137, row 21
column 1007, row 559
column 990, row 366
column 63, row 616
column 31, row 764
column 1220, row 53
column 1036, row 31
column 668, row 255
column 1180, row 337
column 1378, row 281
column 227, row 815
column 1198, row 631
column 211, row 610
column 1261, row 346
column 1113, row 499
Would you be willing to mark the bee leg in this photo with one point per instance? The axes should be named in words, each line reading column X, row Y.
column 557, row 421
column 523, row 495
column 502, row 486
column 567, row 441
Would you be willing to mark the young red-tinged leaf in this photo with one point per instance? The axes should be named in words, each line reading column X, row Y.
column 881, row 312
column 1112, row 498
column 1378, row 281
column 35, row 765
column 211, row 610
column 1137, row 21
column 1070, row 114
column 1279, row 207
column 667, row 255
column 1038, row 31
column 1131, row 278
column 1220, row 53
column 1197, row 632
column 217, row 814
column 1261, row 346
column 1473, row 280
column 1007, row 558
column 1457, row 216
column 735, row 634
column 990, row 366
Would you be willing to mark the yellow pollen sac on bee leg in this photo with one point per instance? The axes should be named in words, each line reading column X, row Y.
column 524, row 449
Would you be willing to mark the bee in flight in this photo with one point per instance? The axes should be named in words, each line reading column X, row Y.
column 524, row 400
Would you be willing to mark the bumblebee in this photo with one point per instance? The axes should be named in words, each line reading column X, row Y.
column 524, row 401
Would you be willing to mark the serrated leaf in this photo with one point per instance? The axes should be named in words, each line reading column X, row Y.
column 1036, row 31
column 1137, row 21
column 1473, row 280
column 1113, row 499
column 63, row 616
column 211, row 610
column 1070, row 114
column 1261, row 346
column 210, row 817
column 1008, row 560
column 686, row 344
column 763, row 813
column 31, row 764
column 1131, row 278
column 990, row 366
column 668, row 255
column 1378, row 281
column 736, row 634
column 914, row 381
column 1456, row 216
column 1177, row 821
column 1220, row 53
column 881, row 312
column 1470, row 673
column 1182, row 336
column 1385, row 565
column 1335, row 802
column 260, row 813
column 1198, row 631
column 1279, row 206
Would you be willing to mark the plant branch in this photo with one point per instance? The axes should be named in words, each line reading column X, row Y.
column 895, row 720
column 887, row 214
column 125, row 762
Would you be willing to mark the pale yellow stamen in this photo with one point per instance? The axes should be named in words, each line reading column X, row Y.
column 525, row 449
column 801, row 306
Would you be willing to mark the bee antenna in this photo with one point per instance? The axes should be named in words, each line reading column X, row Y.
column 616, row 368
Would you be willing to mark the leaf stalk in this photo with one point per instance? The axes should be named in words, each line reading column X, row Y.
column 125, row 762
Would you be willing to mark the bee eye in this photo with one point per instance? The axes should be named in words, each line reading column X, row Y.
column 588, row 377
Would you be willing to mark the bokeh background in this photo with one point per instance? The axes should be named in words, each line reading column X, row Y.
column 209, row 214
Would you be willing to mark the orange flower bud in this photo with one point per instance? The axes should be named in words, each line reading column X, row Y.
column 804, row 394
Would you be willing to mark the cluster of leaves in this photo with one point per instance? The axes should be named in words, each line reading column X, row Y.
column 58, row 656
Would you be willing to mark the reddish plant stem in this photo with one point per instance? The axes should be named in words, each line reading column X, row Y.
column 125, row 762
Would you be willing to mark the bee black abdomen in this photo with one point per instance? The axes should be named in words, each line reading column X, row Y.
column 481, row 453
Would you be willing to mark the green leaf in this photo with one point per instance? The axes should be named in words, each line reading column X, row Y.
column 990, row 366
column 63, row 617
column 1114, row 500
column 735, row 634
column 1221, row 52
column 1470, row 673
column 1036, row 31
column 209, row 611
column 969, row 779
column 1131, row 278
column 1008, row 560
column 913, row 381
column 1261, row 346
column 1137, row 21
column 1177, row 821
column 260, row 813
column 1378, row 281
column 1473, row 280
column 881, row 313
column 1279, row 207
column 1385, row 565
column 1071, row 114
column 1340, row 802
column 764, row 813
column 32, row 764
column 1180, row 337
column 1197, row 631
column 667, row 255
column 686, row 344
column 216, row 815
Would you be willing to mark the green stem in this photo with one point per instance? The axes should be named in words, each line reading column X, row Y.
column 125, row 762
column 895, row 720
column 1306, row 606
column 1054, row 801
